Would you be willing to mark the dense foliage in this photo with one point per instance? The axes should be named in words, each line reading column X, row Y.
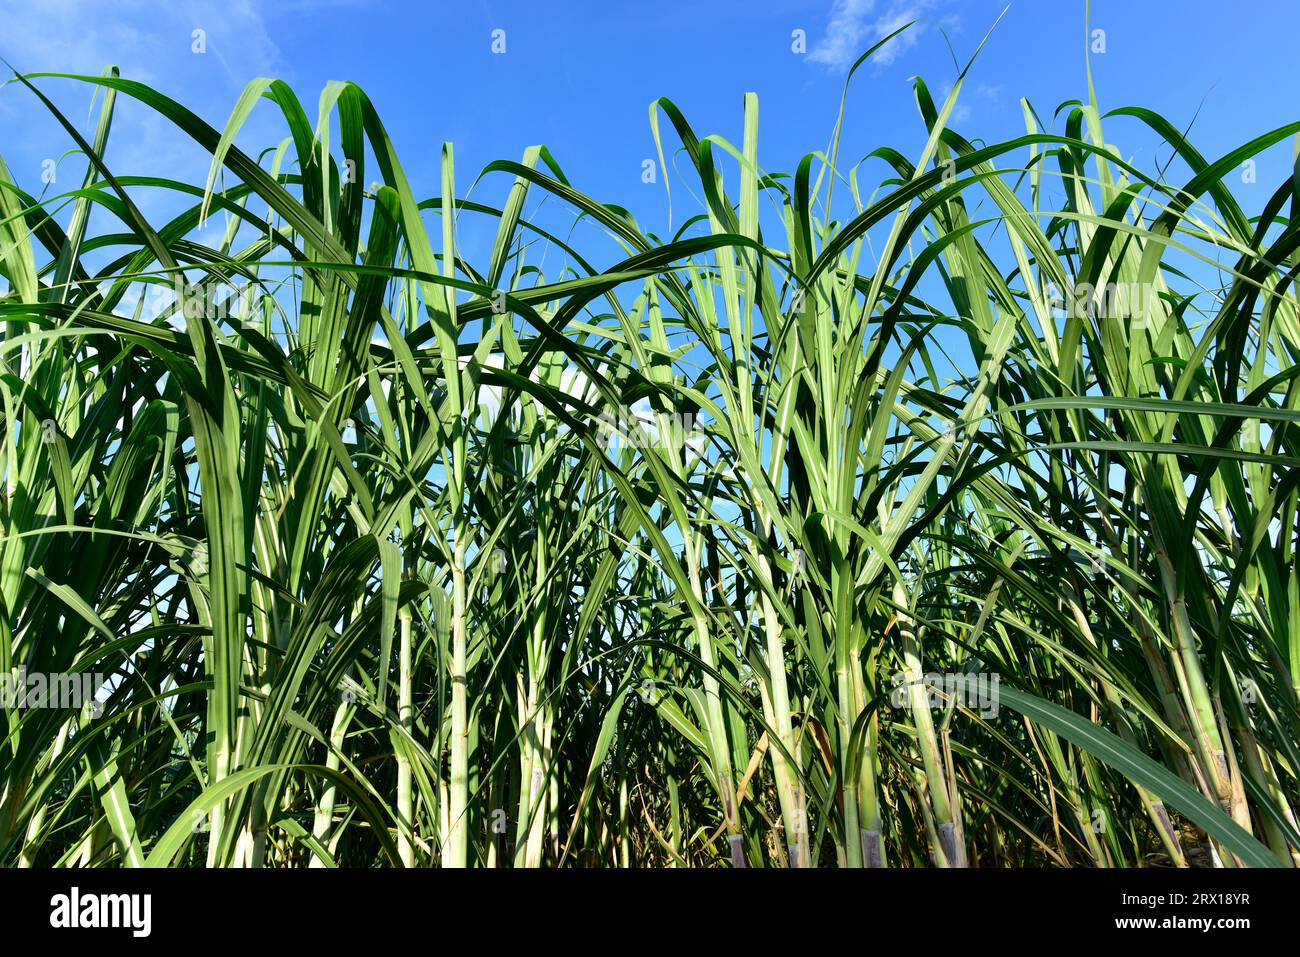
column 951, row 524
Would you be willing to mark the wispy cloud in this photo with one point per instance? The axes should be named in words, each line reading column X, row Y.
column 148, row 41
column 847, row 28
column 855, row 25
column 982, row 97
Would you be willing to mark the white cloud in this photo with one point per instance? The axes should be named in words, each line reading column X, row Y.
column 980, row 97
column 856, row 25
column 842, row 42
column 149, row 41
column 895, row 19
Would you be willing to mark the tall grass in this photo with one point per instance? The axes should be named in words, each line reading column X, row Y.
column 372, row 585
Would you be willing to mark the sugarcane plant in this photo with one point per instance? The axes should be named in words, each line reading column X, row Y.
column 946, row 522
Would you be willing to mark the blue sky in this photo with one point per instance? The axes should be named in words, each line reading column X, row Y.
column 579, row 76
